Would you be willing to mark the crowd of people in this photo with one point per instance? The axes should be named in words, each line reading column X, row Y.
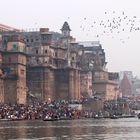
column 62, row 110
column 122, row 106
column 53, row 109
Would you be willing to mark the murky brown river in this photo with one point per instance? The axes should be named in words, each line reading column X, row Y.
column 88, row 129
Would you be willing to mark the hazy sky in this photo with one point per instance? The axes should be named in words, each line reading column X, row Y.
column 115, row 23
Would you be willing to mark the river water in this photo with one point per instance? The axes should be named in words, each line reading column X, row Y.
column 81, row 129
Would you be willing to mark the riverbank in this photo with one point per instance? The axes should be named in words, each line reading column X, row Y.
column 62, row 110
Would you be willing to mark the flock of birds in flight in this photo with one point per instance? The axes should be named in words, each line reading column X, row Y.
column 113, row 26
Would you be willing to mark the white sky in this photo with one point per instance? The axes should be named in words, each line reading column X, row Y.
column 122, row 48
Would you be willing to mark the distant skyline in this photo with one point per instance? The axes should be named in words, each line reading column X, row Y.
column 115, row 23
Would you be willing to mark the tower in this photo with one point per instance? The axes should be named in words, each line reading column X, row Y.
column 65, row 29
column 66, row 40
column 14, row 70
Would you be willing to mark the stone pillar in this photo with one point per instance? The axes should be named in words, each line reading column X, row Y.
column 77, row 84
column 21, row 85
column 78, row 88
column 74, row 84
column 49, row 85
column 71, row 87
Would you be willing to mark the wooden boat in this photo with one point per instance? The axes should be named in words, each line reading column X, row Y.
column 49, row 118
column 128, row 116
column 12, row 119
column 114, row 117
column 98, row 117
column 4, row 119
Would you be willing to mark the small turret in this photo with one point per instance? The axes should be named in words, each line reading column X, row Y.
column 65, row 29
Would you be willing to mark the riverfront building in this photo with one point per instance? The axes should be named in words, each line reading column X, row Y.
column 13, row 71
column 42, row 65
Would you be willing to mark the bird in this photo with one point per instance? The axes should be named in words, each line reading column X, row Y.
column 114, row 25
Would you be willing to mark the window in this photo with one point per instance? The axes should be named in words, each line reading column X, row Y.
column 14, row 47
column 36, row 51
column 56, row 63
column 56, row 54
column 43, row 38
column 46, row 51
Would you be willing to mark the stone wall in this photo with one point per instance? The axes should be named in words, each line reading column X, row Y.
column 105, row 90
column 40, row 82
column 67, row 83
column 10, row 91
column 62, row 84
column 1, row 91
column 49, row 84
column 93, row 105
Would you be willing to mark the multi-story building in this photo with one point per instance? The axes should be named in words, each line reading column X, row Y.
column 106, row 85
column 92, row 59
column 13, row 67
column 34, row 64
column 52, row 72
column 92, row 56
